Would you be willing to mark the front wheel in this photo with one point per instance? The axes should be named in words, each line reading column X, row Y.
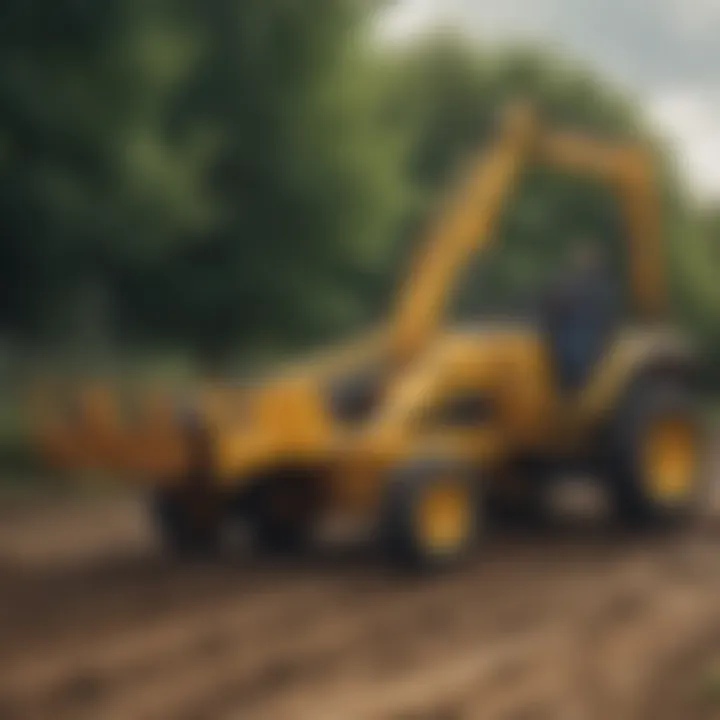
column 431, row 516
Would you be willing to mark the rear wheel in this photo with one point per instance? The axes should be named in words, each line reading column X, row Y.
column 431, row 518
column 656, row 467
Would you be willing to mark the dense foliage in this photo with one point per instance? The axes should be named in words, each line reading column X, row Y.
column 245, row 177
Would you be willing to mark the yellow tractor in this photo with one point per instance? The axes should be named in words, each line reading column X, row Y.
column 420, row 428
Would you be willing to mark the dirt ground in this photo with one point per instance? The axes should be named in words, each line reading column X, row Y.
column 571, row 623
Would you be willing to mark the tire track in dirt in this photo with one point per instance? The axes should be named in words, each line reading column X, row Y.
column 550, row 662
column 263, row 667
column 136, row 652
column 136, row 589
column 480, row 642
column 137, row 649
column 572, row 626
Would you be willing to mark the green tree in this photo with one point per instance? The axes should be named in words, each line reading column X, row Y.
column 699, row 261
column 305, row 179
column 89, row 180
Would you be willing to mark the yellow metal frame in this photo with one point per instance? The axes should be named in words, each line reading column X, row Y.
column 286, row 420
column 466, row 225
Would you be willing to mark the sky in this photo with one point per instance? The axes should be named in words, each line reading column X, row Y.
column 666, row 52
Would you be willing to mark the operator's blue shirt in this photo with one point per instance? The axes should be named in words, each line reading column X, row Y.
column 580, row 318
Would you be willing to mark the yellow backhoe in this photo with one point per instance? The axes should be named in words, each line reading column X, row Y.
column 418, row 425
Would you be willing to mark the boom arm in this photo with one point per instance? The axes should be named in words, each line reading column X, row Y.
column 629, row 170
column 466, row 225
column 463, row 228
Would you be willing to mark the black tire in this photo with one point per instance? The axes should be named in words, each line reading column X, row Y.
column 636, row 504
column 185, row 530
column 286, row 530
column 525, row 504
column 402, row 538
column 273, row 538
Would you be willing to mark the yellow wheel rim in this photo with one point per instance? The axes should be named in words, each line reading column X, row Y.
column 444, row 516
column 670, row 459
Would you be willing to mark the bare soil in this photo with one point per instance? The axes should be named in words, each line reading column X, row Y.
column 574, row 622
